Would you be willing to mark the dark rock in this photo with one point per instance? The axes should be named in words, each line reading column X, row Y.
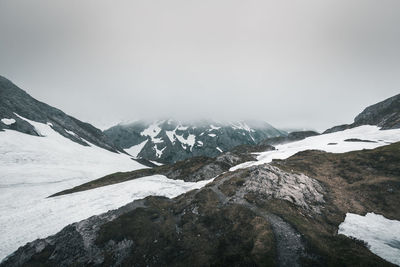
column 385, row 114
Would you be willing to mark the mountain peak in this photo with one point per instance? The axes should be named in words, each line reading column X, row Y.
column 170, row 140
column 385, row 114
column 18, row 106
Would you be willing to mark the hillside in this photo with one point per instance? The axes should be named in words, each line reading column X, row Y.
column 385, row 114
column 16, row 103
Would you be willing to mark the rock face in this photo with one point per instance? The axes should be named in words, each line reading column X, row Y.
column 271, row 182
column 14, row 102
column 169, row 141
column 385, row 114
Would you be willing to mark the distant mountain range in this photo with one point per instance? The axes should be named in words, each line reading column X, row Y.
column 169, row 141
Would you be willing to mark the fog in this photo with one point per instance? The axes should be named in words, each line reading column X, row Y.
column 295, row 64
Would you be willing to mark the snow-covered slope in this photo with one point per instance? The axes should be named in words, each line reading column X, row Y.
column 358, row 138
column 14, row 100
column 34, row 167
column 170, row 141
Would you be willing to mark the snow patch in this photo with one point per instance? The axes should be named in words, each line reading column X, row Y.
column 158, row 151
column 8, row 121
column 153, row 130
column 135, row 150
column 212, row 135
column 156, row 163
column 381, row 234
column 220, row 150
column 214, row 127
column 321, row 142
column 171, row 136
column 241, row 126
column 189, row 141
column 182, row 128
column 67, row 131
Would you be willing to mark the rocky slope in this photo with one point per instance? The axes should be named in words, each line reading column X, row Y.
column 282, row 214
column 16, row 103
column 169, row 141
column 291, row 137
column 385, row 114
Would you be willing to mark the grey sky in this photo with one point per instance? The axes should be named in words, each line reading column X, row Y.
column 297, row 63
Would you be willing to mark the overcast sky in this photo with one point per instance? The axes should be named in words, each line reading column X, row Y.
column 297, row 63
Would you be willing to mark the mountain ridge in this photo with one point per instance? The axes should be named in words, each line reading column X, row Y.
column 169, row 141
column 384, row 114
column 16, row 103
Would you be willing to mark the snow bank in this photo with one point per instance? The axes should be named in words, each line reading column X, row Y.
column 8, row 121
column 324, row 142
column 381, row 234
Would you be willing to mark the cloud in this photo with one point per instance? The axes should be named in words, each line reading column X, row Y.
column 292, row 63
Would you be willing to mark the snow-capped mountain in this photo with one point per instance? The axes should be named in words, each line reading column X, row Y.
column 16, row 104
column 169, row 141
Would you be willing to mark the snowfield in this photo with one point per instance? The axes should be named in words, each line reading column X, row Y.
column 381, row 234
column 32, row 168
column 332, row 142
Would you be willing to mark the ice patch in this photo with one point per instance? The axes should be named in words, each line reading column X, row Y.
column 381, row 234
column 8, row 121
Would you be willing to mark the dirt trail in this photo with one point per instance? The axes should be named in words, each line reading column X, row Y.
column 289, row 244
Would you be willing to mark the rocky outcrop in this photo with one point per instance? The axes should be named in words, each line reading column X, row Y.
column 385, row 114
column 14, row 101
